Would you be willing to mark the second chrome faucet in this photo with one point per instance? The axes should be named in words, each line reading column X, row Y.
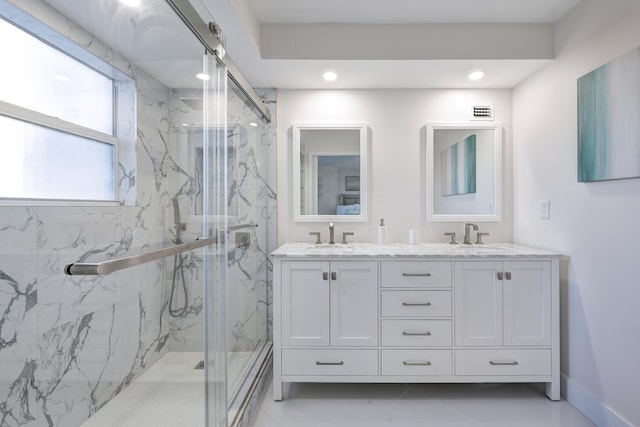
column 467, row 232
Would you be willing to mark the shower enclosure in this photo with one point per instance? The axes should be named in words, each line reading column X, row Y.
column 180, row 339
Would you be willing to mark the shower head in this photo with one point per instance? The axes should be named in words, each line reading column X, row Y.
column 176, row 220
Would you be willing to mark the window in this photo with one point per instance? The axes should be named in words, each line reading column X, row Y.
column 58, row 139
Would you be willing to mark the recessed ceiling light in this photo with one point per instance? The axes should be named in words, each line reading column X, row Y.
column 131, row 3
column 61, row 77
column 330, row 76
column 253, row 124
column 203, row 76
column 476, row 75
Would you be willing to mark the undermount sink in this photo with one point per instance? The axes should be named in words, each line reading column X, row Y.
column 329, row 246
column 482, row 248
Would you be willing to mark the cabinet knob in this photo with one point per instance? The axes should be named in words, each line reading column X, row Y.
column 507, row 275
column 500, row 275
column 334, row 275
column 325, row 276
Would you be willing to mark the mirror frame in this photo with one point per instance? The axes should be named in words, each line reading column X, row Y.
column 363, row 130
column 497, row 171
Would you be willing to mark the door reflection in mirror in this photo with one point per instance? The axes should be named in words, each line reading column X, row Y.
column 329, row 171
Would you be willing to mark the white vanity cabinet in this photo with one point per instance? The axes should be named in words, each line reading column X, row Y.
column 422, row 313
column 503, row 303
column 328, row 319
column 329, row 303
column 416, row 318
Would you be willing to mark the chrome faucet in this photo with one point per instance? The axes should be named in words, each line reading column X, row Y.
column 331, row 239
column 467, row 232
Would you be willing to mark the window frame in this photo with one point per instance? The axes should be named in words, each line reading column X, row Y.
column 123, row 110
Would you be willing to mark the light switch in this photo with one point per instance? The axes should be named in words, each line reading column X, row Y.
column 545, row 209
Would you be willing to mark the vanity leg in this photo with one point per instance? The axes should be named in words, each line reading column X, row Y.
column 553, row 390
column 277, row 390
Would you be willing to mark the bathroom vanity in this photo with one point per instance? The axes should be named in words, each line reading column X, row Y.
column 415, row 313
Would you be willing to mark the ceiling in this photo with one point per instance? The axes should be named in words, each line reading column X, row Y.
column 410, row 11
column 388, row 43
column 368, row 43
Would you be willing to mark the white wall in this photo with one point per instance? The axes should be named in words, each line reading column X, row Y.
column 595, row 224
column 396, row 119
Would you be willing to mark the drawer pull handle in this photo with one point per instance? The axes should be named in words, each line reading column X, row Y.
column 416, row 274
column 496, row 363
column 405, row 363
column 416, row 304
column 329, row 363
column 411, row 334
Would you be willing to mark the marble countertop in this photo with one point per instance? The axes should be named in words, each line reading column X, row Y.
column 434, row 250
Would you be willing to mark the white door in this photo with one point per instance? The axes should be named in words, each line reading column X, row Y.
column 527, row 303
column 478, row 304
column 305, row 303
column 354, row 303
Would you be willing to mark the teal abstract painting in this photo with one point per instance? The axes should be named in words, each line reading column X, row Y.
column 459, row 167
column 609, row 120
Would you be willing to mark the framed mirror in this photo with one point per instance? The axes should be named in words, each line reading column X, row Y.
column 464, row 172
column 329, row 172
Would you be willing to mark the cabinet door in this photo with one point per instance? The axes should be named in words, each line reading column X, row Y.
column 527, row 303
column 354, row 303
column 305, row 303
column 478, row 304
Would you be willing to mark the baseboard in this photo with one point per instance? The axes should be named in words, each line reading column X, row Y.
column 599, row 413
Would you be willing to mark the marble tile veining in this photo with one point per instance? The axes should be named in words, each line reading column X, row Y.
column 436, row 250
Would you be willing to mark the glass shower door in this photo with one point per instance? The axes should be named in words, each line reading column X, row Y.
column 247, row 275
column 215, row 223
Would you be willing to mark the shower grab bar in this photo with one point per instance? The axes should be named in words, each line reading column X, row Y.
column 106, row 267
column 241, row 226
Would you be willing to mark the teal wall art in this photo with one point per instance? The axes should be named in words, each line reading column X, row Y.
column 609, row 120
column 459, row 167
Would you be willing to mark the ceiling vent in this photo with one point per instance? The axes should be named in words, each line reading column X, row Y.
column 482, row 112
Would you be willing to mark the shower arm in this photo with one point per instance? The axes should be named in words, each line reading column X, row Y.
column 106, row 267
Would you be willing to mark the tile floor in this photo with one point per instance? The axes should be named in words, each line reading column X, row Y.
column 415, row 405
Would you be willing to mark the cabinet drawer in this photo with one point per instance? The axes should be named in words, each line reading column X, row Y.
column 416, row 362
column 416, row 274
column 416, row 333
column 329, row 362
column 416, row 303
column 503, row 362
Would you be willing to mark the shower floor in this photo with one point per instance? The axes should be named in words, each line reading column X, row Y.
column 170, row 393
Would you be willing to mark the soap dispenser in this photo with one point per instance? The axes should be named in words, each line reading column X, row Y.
column 382, row 233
